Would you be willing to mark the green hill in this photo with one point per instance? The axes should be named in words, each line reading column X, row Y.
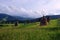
column 31, row 31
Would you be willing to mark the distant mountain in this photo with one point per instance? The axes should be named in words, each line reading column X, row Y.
column 22, row 18
column 13, row 18
column 54, row 16
column 3, row 16
column 51, row 17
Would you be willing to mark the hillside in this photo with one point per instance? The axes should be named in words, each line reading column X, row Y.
column 2, row 15
column 31, row 31
column 22, row 19
column 10, row 17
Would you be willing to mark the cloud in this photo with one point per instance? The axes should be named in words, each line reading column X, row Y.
column 12, row 10
column 30, row 8
column 4, row 8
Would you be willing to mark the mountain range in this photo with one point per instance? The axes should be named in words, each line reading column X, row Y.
column 12, row 18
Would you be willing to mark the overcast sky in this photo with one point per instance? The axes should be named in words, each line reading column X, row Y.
column 30, row 8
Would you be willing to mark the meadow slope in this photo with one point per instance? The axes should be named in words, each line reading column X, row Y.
column 31, row 31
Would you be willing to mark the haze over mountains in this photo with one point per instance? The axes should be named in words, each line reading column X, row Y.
column 30, row 9
column 12, row 18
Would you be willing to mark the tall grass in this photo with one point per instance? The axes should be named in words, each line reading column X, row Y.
column 31, row 31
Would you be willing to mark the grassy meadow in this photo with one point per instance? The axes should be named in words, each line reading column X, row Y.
column 31, row 31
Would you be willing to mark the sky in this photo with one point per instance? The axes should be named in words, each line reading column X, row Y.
column 30, row 8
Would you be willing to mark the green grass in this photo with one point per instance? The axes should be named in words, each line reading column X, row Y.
column 31, row 31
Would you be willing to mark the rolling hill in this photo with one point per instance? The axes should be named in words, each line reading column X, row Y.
column 13, row 18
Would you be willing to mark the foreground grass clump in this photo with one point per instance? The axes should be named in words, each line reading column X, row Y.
column 30, row 34
column 31, row 31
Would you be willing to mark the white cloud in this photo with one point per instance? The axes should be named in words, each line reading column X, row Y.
column 12, row 10
column 30, row 8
